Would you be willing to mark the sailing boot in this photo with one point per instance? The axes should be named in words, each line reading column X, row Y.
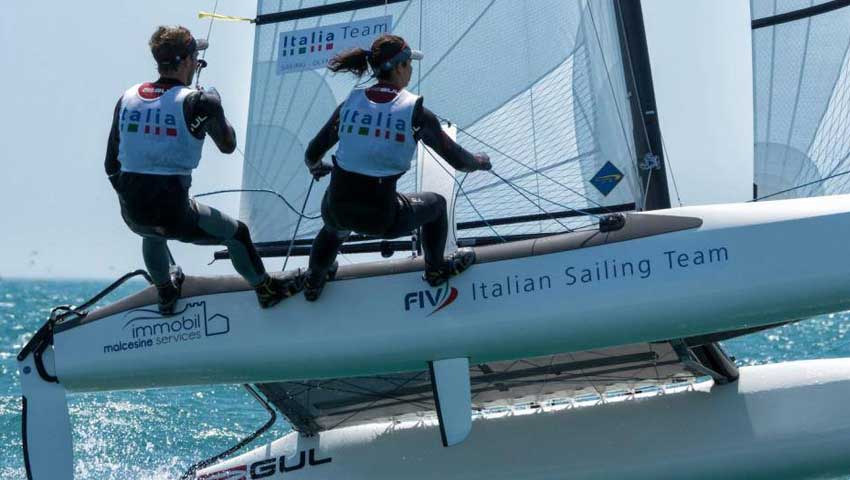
column 168, row 294
column 455, row 263
column 272, row 290
column 314, row 282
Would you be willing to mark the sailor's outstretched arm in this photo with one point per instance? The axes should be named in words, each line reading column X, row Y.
column 206, row 115
column 111, row 164
column 324, row 140
column 427, row 128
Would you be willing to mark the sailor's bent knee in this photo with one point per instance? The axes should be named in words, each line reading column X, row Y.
column 440, row 200
column 242, row 235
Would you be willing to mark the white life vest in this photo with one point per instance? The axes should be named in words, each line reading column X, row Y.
column 376, row 139
column 153, row 135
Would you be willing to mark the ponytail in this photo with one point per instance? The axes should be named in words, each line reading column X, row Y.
column 353, row 60
column 358, row 60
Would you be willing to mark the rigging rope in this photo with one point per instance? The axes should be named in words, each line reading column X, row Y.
column 190, row 473
column 517, row 189
column 46, row 331
column 801, row 186
column 538, row 172
column 460, row 189
column 611, row 83
column 669, row 164
column 261, row 190
column 646, row 190
column 215, row 16
column 631, row 71
column 298, row 224
column 639, row 103
column 513, row 184
column 202, row 63
column 209, row 30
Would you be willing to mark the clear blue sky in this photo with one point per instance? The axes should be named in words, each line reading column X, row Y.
column 64, row 65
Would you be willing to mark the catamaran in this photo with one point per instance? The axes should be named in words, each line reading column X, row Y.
column 589, row 289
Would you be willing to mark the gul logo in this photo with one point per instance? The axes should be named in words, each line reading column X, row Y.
column 267, row 468
column 147, row 328
column 359, row 123
column 437, row 299
column 235, row 473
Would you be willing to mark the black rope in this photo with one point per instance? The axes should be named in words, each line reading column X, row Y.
column 81, row 310
column 510, row 157
column 461, row 190
column 260, row 190
column 801, row 186
column 517, row 189
column 46, row 331
column 298, row 223
column 190, row 473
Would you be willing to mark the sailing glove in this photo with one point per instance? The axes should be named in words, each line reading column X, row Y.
column 483, row 161
column 319, row 169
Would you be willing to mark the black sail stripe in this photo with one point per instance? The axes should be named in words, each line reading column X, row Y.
column 799, row 14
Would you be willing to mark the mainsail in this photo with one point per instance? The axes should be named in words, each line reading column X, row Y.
column 540, row 86
column 802, row 94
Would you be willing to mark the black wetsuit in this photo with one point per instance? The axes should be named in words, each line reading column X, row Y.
column 371, row 205
column 158, row 207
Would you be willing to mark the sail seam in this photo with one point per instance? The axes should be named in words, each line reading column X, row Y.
column 842, row 73
column 801, row 75
column 457, row 42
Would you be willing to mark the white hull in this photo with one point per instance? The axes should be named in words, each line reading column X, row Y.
column 761, row 263
column 778, row 421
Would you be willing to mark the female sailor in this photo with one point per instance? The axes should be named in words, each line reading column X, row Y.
column 377, row 129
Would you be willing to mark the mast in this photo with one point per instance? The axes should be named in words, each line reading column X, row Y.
column 646, row 129
column 707, row 355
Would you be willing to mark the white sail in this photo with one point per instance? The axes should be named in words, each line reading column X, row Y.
column 701, row 73
column 539, row 86
column 802, row 95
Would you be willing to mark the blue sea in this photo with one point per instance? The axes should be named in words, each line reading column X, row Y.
column 157, row 434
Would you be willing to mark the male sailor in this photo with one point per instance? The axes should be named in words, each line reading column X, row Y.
column 158, row 130
column 378, row 129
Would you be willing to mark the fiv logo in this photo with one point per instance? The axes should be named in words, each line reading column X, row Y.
column 436, row 299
